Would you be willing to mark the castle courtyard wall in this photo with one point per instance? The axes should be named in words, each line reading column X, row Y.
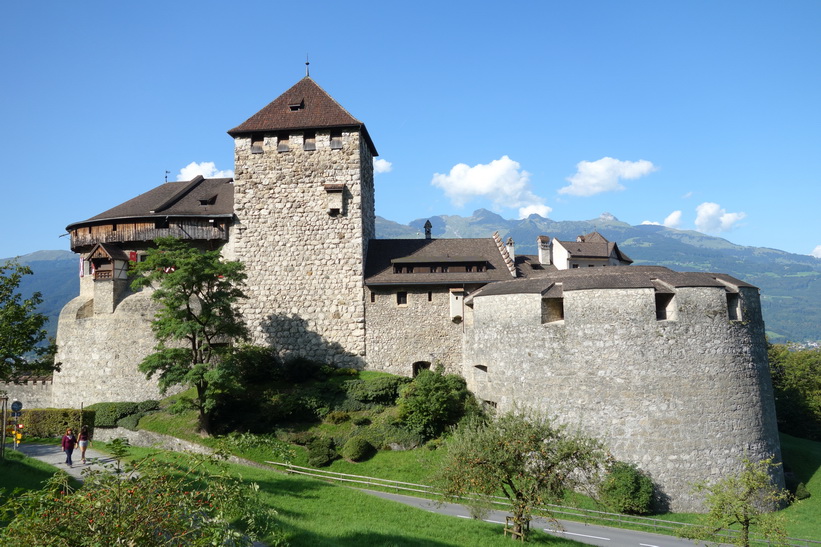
column 422, row 330
column 684, row 399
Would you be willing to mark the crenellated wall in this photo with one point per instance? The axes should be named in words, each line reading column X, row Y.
column 683, row 399
column 305, row 263
column 32, row 393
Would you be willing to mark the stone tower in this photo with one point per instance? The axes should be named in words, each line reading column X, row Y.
column 304, row 202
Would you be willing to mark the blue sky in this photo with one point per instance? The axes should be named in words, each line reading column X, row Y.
column 701, row 115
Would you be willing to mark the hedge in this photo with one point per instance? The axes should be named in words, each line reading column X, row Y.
column 53, row 422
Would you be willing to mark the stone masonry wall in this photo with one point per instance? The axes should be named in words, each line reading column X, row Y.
column 305, row 266
column 32, row 393
column 683, row 399
column 100, row 352
column 398, row 336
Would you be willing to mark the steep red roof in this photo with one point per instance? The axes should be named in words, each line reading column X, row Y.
column 304, row 106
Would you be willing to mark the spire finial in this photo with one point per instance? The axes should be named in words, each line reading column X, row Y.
column 307, row 64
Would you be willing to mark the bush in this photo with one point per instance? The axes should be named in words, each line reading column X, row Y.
column 382, row 390
column 109, row 413
column 148, row 406
column 361, row 421
column 321, row 452
column 801, row 492
column 300, row 369
column 357, row 449
column 432, row 402
column 627, row 490
column 130, row 422
column 53, row 422
column 337, row 417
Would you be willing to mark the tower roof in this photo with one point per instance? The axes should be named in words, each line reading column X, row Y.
column 304, row 106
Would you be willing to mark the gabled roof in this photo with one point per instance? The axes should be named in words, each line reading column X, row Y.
column 197, row 197
column 304, row 106
column 105, row 250
column 593, row 245
column 384, row 253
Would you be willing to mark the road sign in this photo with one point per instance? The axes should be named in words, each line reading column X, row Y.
column 16, row 406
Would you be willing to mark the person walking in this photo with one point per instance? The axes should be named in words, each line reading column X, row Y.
column 69, row 440
column 84, row 441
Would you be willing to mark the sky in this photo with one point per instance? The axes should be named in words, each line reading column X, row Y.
column 698, row 115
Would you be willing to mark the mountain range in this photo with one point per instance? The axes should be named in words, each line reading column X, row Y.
column 790, row 283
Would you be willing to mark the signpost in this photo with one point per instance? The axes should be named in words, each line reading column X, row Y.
column 17, row 433
column 3, row 401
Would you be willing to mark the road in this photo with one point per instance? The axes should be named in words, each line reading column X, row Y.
column 52, row 454
column 590, row 534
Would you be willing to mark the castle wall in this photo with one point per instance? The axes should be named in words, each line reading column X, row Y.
column 422, row 330
column 683, row 399
column 32, row 393
column 100, row 352
column 305, row 266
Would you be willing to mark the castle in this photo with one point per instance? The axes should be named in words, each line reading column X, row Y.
column 668, row 368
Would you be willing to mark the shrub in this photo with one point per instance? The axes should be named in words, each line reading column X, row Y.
column 361, row 421
column 302, row 438
column 148, row 406
column 382, row 390
column 357, row 449
column 432, row 402
column 109, row 413
column 130, row 422
column 627, row 490
column 53, row 422
column 300, row 369
column 801, row 492
column 337, row 417
column 321, row 452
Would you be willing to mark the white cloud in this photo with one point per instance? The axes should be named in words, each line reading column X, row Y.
column 816, row 252
column 650, row 223
column 711, row 218
column 595, row 177
column 207, row 169
column 382, row 166
column 502, row 181
column 688, row 195
column 673, row 220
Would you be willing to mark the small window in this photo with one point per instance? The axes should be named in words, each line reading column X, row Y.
column 733, row 306
column 402, row 298
column 483, row 368
column 336, row 140
column 161, row 224
column 590, row 265
column 256, row 143
column 309, row 142
column 552, row 310
column 373, row 297
column 574, row 266
column 114, row 227
column 282, row 143
column 295, row 106
column 430, row 296
column 665, row 306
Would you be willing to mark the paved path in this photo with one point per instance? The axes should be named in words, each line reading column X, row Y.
column 584, row 533
column 52, row 454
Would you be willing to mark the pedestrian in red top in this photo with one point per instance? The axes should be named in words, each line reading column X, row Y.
column 69, row 440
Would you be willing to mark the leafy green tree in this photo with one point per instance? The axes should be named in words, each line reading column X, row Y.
column 797, row 383
column 197, row 321
column 178, row 500
column 524, row 458
column 22, row 328
column 745, row 499
column 432, row 402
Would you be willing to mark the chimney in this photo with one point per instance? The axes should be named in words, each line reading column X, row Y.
column 509, row 246
column 428, row 226
column 543, row 244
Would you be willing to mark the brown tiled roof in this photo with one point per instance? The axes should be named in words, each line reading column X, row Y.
column 616, row 277
column 594, row 245
column 304, row 106
column 197, row 197
column 383, row 253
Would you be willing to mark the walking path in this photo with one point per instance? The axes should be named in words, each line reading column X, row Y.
column 52, row 454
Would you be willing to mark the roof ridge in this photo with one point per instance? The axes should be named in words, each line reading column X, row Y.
column 505, row 255
column 193, row 183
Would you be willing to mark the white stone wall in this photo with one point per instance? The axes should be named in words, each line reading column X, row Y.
column 100, row 352
column 33, row 393
column 305, row 267
column 684, row 399
column 422, row 330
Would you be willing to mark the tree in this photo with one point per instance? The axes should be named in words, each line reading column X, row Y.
column 525, row 458
column 22, row 328
column 797, row 384
column 746, row 498
column 197, row 321
column 432, row 402
column 170, row 500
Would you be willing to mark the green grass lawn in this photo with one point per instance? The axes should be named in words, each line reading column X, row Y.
column 17, row 471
